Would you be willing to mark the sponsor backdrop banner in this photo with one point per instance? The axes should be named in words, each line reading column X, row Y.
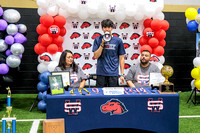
column 80, row 37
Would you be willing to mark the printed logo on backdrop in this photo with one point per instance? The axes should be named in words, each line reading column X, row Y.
column 127, row 66
column 114, row 107
column 75, row 35
column 85, row 25
column 86, row 45
column 87, row 66
column 154, row 58
column 72, row 108
column 155, row 106
column 75, row 45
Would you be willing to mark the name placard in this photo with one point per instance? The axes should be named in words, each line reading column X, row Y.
column 113, row 91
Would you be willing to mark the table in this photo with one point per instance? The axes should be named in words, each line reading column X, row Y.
column 138, row 108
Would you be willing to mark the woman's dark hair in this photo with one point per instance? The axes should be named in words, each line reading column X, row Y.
column 62, row 62
column 107, row 23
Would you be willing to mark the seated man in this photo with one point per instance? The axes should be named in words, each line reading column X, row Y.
column 138, row 75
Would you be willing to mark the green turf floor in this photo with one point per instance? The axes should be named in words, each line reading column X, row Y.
column 21, row 104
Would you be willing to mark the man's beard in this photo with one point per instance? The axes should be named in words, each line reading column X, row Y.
column 145, row 62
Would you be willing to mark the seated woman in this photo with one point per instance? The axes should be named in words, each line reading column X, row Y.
column 66, row 63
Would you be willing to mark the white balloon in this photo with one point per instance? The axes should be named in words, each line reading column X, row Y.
column 159, row 65
column 187, row 20
column 102, row 14
column 83, row 14
column 131, row 10
column 63, row 12
column 196, row 61
column 92, row 8
column 139, row 16
column 120, row 16
column 43, row 3
column 52, row 10
column 56, row 57
column 11, row 15
column 62, row 3
column 160, row 16
column 52, row 65
column 192, row 84
column 149, row 11
column 41, row 11
column 162, row 59
column 73, row 7
column 42, row 68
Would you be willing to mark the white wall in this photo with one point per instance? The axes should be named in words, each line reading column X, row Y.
column 182, row 2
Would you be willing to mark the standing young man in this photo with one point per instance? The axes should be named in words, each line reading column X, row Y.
column 109, row 56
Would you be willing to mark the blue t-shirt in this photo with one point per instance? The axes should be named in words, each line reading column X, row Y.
column 108, row 62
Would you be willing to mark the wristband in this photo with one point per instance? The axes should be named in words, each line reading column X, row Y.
column 121, row 75
column 101, row 46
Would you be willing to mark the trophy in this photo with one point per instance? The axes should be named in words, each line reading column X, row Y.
column 166, row 86
column 9, row 119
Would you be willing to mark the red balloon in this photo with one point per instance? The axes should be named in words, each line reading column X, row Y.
column 143, row 41
column 41, row 29
column 46, row 20
column 147, row 23
column 54, row 30
column 39, row 38
column 162, row 43
column 164, row 25
column 153, row 42
column 52, row 49
column 42, row 18
column 58, row 41
column 148, row 33
column 46, row 40
column 158, row 51
column 156, row 24
column 39, row 49
column 60, row 49
column 160, row 35
column 146, row 47
column 62, row 31
column 59, row 20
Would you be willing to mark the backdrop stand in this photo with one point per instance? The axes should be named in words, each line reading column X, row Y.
column 193, row 95
column 36, row 99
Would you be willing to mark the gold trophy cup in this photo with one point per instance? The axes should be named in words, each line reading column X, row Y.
column 167, row 71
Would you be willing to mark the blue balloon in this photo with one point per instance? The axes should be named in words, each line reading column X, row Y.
column 40, row 95
column 192, row 25
column 44, row 77
column 198, row 11
column 44, row 96
column 42, row 106
column 41, row 86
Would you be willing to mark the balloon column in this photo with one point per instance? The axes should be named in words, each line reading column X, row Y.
column 192, row 19
column 195, row 73
column 11, row 39
column 153, row 38
column 42, row 87
column 49, row 47
column 118, row 9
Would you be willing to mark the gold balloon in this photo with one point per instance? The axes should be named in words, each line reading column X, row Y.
column 191, row 13
column 195, row 73
column 197, row 84
column 167, row 71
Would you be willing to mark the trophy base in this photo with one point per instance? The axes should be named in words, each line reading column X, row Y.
column 166, row 88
